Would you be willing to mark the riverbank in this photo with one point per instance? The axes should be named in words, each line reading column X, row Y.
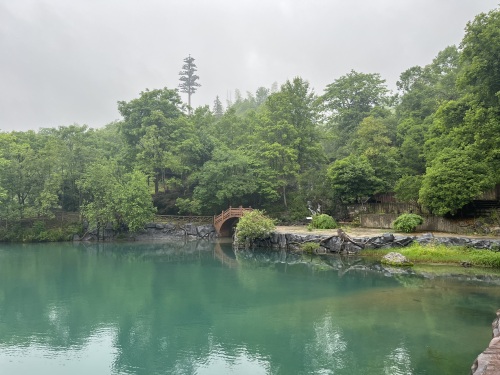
column 370, row 232
column 353, row 240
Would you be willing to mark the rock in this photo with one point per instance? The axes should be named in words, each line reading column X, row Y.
column 205, row 230
column 396, row 259
column 488, row 362
column 425, row 239
column 334, row 245
column 387, row 237
column 351, row 248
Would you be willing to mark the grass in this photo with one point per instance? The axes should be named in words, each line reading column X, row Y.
column 441, row 254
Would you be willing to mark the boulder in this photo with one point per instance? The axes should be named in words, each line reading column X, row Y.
column 396, row 259
column 205, row 230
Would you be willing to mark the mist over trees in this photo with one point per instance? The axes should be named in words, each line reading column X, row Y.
column 436, row 141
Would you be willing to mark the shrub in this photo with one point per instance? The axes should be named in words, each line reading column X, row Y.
column 309, row 247
column 323, row 221
column 253, row 225
column 407, row 222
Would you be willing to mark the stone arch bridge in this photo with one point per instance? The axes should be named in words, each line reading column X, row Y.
column 225, row 221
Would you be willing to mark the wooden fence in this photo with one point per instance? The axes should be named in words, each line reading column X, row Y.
column 184, row 219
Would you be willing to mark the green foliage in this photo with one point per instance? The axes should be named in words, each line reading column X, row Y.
column 39, row 232
column 309, row 247
column 452, row 254
column 154, row 107
column 323, row 221
column 232, row 178
column 132, row 201
column 353, row 179
column 407, row 188
column 350, row 99
column 480, row 51
column 254, row 225
column 113, row 197
column 188, row 79
column 188, row 206
column 454, row 179
column 407, row 222
column 441, row 254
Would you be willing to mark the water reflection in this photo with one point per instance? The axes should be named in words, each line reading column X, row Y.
column 328, row 350
column 198, row 308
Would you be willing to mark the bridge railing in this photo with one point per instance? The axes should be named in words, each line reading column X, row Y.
column 230, row 212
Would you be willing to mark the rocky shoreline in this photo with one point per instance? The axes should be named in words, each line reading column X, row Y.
column 342, row 243
column 153, row 231
column 488, row 362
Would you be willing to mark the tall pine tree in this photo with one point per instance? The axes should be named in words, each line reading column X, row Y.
column 188, row 79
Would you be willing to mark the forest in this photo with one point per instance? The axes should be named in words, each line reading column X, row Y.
column 435, row 142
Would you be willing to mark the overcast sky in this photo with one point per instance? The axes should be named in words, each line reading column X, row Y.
column 70, row 61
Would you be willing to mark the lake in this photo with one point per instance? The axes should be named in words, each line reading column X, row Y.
column 197, row 308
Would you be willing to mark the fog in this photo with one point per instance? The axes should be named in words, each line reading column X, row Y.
column 65, row 62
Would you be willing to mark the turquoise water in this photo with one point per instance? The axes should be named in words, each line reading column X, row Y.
column 196, row 308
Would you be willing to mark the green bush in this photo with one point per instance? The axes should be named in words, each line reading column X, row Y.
column 254, row 225
column 39, row 233
column 323, row 221
column 309, row 247
column 407, row 222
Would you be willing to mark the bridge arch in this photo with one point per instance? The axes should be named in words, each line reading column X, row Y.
column 225, row 221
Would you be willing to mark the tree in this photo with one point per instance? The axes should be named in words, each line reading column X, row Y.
column 97, row 185
column 188, row 79
column 352, row 179
column 232, row 178
column 347, row 101
column 30, row 175
column 132, row 198
column 295, row 105
column 454, row 179
column 285, row 137
column 218, row 110
column 111, row 196
column 407, row 188
column 481, row 57
column 373, row 141
column 153, row 107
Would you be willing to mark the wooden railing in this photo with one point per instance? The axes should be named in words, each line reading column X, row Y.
column 229, row 213
column 183, row 219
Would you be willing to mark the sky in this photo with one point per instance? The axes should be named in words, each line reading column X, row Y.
column 66, row 62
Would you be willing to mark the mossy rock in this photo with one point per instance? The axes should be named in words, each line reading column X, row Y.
column 396, row 260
